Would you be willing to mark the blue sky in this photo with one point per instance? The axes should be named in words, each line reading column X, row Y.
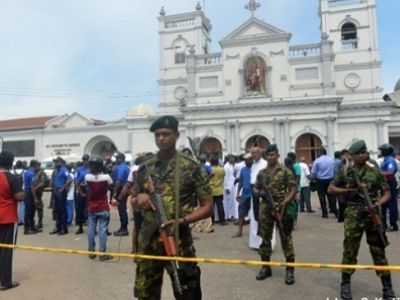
column 100, row 57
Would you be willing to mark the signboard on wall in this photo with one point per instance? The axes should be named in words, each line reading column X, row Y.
column 62, row 149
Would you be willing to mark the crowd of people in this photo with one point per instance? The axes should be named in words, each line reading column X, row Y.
column 250, row 188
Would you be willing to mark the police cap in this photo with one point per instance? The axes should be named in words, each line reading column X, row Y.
column 357, row 147
column 165, row 122
column 386, row 147
column 59, row 159
column 120, row 155
column 271, row 148
column 85, row 157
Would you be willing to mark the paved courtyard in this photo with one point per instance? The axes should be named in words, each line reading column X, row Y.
column 45, row 276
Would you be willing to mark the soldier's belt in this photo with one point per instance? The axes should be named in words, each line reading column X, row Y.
column 218, row 261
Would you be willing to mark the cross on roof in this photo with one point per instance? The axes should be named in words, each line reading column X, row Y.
column 252, row 6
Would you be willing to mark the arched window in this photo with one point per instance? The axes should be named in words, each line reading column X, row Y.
column 254, row 76
column 349, row 36
column 180, row 48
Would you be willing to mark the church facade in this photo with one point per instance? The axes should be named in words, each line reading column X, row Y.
column 262, row 89
column 258, row 89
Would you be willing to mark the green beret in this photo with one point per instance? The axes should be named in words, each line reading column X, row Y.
column 165, row 122
column 357, row 147
column 271, row 148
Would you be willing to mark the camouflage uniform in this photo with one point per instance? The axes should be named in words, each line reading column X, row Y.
column 193, row 179
column 40, row 178
column 279, row 180
column 357, row 220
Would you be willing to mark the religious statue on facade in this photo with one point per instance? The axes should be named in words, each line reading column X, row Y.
column 254, row 76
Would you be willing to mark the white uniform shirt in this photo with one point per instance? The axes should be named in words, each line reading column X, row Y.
column 229, row 180
column 238, row 168
column 257, row 167
column 71, row 191
column 305, row 172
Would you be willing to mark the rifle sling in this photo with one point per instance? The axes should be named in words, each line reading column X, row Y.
column 177, row 197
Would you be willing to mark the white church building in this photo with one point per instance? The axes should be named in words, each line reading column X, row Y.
column 258, row 89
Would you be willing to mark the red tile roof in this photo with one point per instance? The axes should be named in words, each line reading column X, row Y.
column 25, row 123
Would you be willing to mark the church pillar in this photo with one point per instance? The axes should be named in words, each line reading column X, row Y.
column 237, row 137
column 228, row 138
column 277, row 133
column 190, row 130
column 268, row 88
column 191, row 78
column 286, row 136
column 380, row 131
column 327, row 57
column 330, row 135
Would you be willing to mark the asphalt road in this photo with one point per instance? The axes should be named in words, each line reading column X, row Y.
column 45, row 276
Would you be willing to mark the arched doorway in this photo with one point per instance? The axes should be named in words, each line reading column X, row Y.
column 100, row 146
column 210, row 146
column 307, row 146
column 257, row 141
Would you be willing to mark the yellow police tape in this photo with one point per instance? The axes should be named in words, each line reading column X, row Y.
column 206, row 260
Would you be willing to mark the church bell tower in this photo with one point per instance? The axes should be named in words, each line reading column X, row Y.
column 180, row 35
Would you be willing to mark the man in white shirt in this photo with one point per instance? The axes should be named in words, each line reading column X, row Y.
column 229, row 186
column 258, row 164
column 305, row 192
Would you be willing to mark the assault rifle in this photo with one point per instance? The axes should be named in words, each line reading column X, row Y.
column 375, row 217
column 166, row 235
column 276, row 215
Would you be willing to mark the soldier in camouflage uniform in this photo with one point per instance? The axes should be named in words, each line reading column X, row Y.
column 282, row 185
column 192, row 179
column 357, row 219
column 41, row 182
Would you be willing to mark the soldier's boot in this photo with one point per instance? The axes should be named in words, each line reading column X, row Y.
column 289, row 280
column 40, row 218
column 265, row 271
column 345, row 287
column 388, row 293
